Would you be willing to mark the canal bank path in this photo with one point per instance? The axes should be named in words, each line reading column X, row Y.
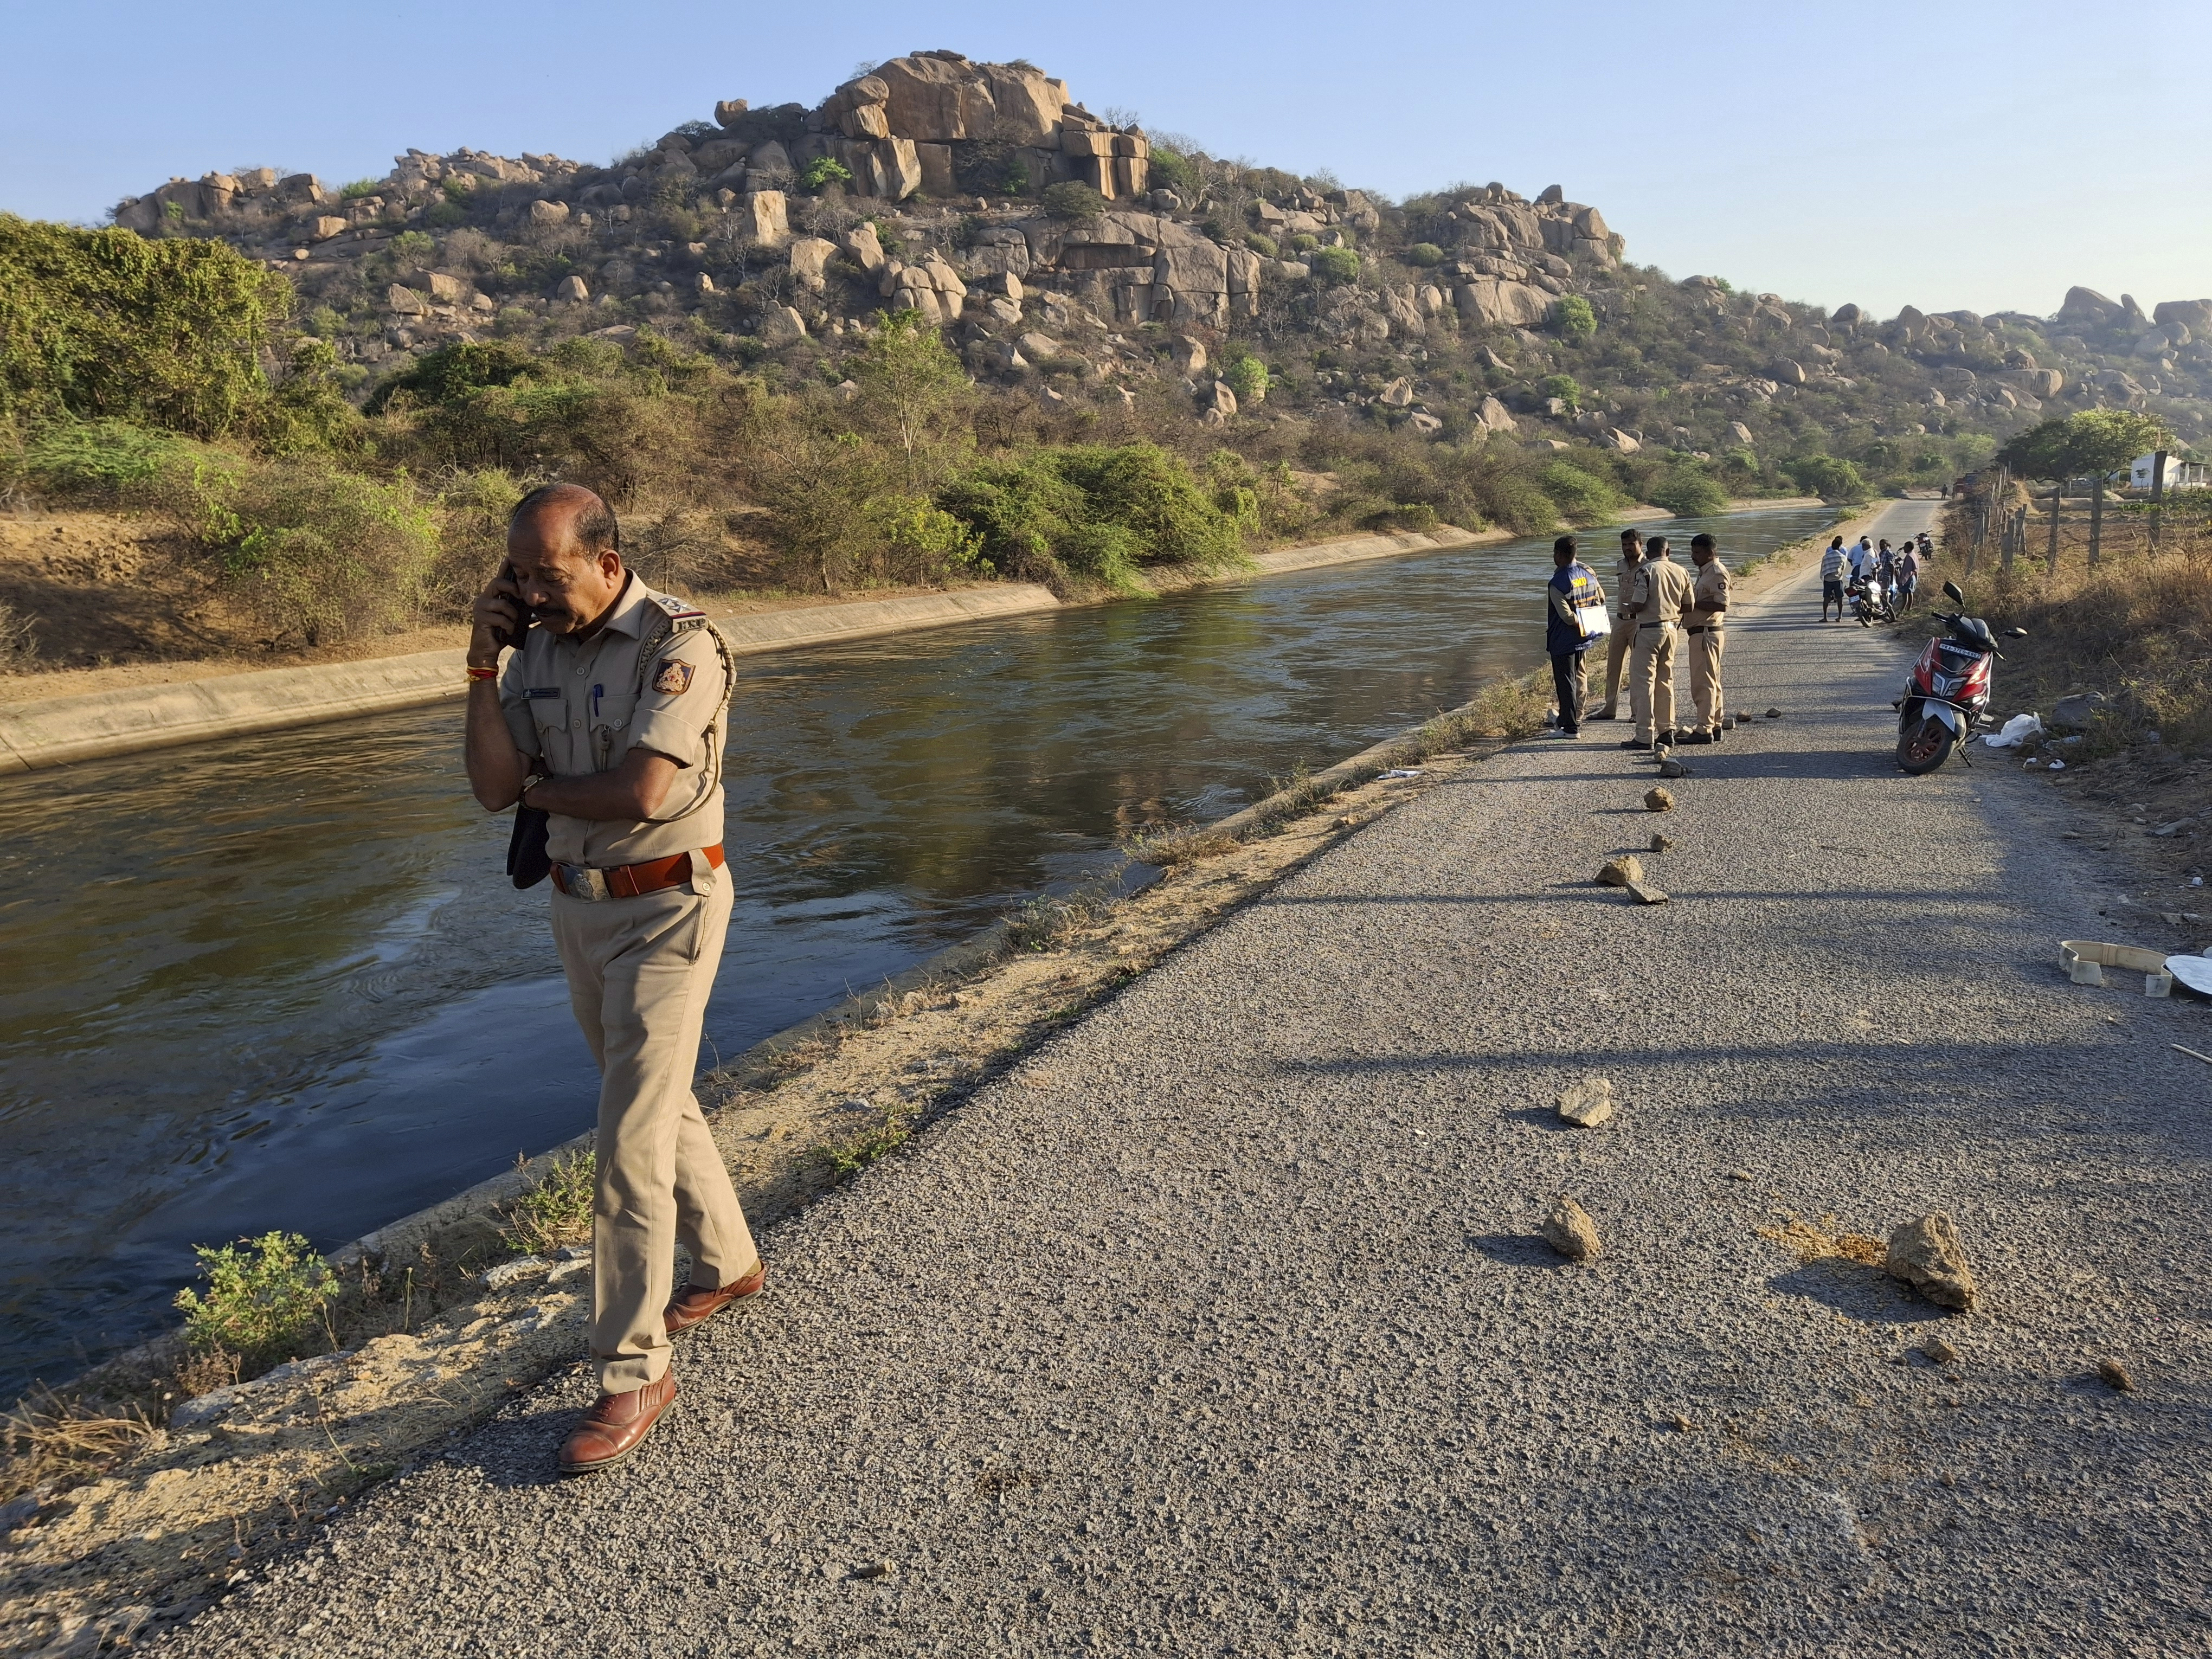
column 1220, row 1325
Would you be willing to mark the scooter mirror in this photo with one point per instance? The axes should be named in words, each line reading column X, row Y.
column 1950, row 592
column 2016, row 633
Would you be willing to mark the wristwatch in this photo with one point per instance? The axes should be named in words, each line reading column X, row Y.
column 529, row 784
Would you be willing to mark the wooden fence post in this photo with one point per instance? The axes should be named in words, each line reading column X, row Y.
column 2057, row 496
column 2096, row 520
column 2157, row 494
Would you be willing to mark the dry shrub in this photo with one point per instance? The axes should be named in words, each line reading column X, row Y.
column 52, row 1440
column 1177, row 843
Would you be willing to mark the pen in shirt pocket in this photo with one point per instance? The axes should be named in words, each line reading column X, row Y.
column 596, row 690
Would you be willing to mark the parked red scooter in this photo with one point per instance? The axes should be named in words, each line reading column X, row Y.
column 1949, row 690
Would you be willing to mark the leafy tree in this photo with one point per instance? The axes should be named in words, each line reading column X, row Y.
column 1246, row 376
column 2091, row 444
column 908, row 381
column 1581, row 498
column 1688, row 492
column 1825, row 476
column 1573, row 319
column 1171, row 170
column 1424, row 254
column 99, row 323
column 824, row 170
column 453, row 372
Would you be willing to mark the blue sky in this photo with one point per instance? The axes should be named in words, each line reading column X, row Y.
column 1943, row 154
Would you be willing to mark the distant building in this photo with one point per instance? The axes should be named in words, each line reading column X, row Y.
column 2179, row 474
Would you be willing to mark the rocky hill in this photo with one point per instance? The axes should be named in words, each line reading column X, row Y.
column 1073, row 258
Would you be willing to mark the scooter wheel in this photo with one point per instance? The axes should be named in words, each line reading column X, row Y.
column 1923, row 745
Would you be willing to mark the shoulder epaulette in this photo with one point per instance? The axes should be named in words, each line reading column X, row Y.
column 679, row 609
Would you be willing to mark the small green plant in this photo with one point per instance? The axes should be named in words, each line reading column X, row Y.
column 1071, row 200
column 843, row 1159
column 1424, row 254
column 1564, row 388
column 555, row 1214
column 1050, row 921
column 824, row 170
column 1305, row 242
column 358, row 188
column 1572, row 320
column 1263, row 245
column 265, row 1296
column 1016, row 181
column 411, row 247
column 326, row 322
column 1171, row 170
column 1336, row 265
column 445, row 214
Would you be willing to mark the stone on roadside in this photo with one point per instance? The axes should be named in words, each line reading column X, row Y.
column 1621, row 871
column 1644, row 895
column 1939, row 1352
column 1927, row 1254
column 1569, row 1231
column 1658, row 800
column 1774, row 713
column 1671, row 768
column 1588, row 1104
column 1662, row 843
column 1740, row 1174
column 2117, row 1375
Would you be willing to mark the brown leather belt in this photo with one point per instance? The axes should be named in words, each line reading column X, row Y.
column 628, row 880
column 1709, row 628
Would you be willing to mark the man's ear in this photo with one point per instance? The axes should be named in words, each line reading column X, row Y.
column 610, row 565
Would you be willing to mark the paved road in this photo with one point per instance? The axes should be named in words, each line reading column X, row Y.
column 1218, row 1326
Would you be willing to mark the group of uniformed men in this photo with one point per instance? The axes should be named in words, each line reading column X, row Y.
column 1661, row 606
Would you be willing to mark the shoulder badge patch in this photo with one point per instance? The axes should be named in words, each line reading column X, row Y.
column 676, row 607
column 672, row 678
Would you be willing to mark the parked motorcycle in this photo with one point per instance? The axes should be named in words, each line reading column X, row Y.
column 1949, row 690
column 1869, row 601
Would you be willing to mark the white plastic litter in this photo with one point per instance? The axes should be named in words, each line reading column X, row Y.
column 2058, row 766
column 1403, row 772
column 2016, row 731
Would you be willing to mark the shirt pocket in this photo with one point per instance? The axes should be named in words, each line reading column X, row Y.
column 612, row 718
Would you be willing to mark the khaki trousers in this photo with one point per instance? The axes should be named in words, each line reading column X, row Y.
column 1617, row 645
column 1651, row 681
column 1705, row 677
column 639, row 970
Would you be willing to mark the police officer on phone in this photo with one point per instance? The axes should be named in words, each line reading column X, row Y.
column 609, row 720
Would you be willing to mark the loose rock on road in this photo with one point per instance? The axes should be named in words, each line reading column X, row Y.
column 1224, row 1325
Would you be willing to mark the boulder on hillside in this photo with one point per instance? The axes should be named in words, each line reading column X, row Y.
column 942, row 98
column 809, row 258
column 1846, row 316
column 1489, row 415
column 1399, row 394
column 1742, row 433
column 761, row 219
column 2085, row 305
column 2189, row 314
column 1492, row 302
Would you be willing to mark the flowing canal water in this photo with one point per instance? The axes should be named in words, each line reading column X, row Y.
column 283, row 981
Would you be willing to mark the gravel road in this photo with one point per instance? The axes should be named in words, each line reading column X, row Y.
column 1219, row 1327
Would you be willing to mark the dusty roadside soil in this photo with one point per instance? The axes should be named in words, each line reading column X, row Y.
column 251, row 1471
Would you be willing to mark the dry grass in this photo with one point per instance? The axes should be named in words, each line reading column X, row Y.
column 51, row 1439
column 1176, row 844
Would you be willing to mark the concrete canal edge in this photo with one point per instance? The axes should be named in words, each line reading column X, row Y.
column 41, row 733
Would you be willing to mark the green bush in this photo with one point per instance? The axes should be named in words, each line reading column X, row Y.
column 1688, row 492
column 1825, row 476
column 824, row 170
column 1305, row 242
column 102, row 463
column 1564, row 388
column 1070, row 200
column 263, row 1300
column 1171, row 170
column 1424, row 254
column 1572, row 318
column 454, row 372
column 1335, row 264
column 1581, row 498
column 1091, row 513
column 101, row 324
column 319, row 553
column 358, row 188
column 1246, row 377
column 1262, row 245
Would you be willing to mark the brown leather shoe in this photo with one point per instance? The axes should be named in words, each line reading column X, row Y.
column 695, row 1306
column 616, row 1427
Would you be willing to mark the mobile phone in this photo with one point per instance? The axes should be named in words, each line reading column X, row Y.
column 524, row 615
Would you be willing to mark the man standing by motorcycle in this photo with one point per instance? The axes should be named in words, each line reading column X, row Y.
column 1708, row 611
column 1833, row 563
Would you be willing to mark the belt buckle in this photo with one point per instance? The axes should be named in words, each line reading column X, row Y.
column 580, row 881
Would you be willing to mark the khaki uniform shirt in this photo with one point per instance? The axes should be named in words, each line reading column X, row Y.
column 1709, row 596
column 577, row 708
column 1626, row 585
column 1660, row 593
